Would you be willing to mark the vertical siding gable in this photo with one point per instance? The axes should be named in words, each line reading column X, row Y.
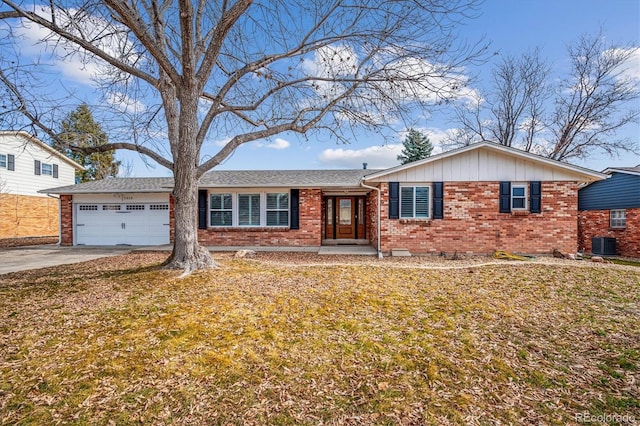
column 620, row 191
column 481, row 165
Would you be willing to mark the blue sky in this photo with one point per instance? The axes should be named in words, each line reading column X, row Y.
column 511, row 26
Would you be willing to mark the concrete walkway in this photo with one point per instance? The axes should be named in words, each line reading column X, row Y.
column 34, row 257
column 18, row 259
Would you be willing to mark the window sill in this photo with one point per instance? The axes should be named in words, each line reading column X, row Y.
column 617, row 228
column 520, row 212
column 249, row 228
column 415, row 220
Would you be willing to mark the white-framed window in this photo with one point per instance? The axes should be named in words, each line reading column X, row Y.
column 518, row 196
column 618, row 218
column 248, row 209
column 3, row 161
column 414, row 202
column 277, row 209
column 47, row 169
column 221, row 209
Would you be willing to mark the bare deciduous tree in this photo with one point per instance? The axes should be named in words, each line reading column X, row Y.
column 192, row 71
column 595, row 101
column 588, row 106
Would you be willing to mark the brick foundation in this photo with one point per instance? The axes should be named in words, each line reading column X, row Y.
column 28, row 216
column 472, row 222
column 309, row 234
column 595, row 223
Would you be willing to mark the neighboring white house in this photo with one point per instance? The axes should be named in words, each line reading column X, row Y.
column 28, row 165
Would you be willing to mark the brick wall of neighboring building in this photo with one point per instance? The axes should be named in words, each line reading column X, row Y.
column 595, row 223
column 28, row 216
column 472, row 222
column 66, row 218
column 309, row 234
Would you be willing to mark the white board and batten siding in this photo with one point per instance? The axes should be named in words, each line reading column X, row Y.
column 25, row 151
column 136, row 219
column 481, row 165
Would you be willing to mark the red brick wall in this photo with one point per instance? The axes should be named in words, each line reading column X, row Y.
column 372, row 215
column 66, row 216
column 309, row 234
column 595, row 223
column 472, row 222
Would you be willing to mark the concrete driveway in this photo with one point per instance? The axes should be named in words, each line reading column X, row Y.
column 34, row 257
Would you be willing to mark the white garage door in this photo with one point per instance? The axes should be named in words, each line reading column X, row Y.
column 136, row 224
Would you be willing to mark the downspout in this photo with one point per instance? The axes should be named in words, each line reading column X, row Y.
column 362, row 184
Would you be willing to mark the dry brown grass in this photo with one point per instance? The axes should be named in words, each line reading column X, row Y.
column 266, row 341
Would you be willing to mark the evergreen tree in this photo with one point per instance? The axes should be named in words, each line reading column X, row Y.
column 417, row 146
column 79, row 129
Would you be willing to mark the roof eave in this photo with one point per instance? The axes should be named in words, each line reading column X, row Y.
column 44, row 146
column 610, row 170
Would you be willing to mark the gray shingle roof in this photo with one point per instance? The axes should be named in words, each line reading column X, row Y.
column 110, row 185
column 226, row 179
column 283, row 178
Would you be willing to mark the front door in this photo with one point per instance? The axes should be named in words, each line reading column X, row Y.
column 346, row 223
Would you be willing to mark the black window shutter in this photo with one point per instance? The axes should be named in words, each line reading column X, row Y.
column 438, row 200
column 505, row 197
column 394, row 200
column 36, row 167
column 11, row 162
column 535, row 196
column 55, row 171
column 295, row 209
column 202, row 209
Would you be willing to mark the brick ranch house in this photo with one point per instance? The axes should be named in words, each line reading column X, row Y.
column 27, row 166
column 476, row 199
column 611, row 209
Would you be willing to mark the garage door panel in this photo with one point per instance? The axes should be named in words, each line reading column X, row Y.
column 131, row 224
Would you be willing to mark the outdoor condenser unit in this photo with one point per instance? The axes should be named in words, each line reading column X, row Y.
column 603, row 246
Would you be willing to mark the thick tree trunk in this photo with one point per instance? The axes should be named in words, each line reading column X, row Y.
column 187, row 253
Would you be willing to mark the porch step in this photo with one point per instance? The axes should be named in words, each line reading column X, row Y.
column 400, row 252
column 348, row 250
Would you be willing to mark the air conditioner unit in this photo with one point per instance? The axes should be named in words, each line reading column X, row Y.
column 603, row 246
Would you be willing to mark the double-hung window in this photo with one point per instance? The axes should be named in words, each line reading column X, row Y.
column 278, row 209
column 518, row 197
column 3, row 161
column 47, row 169
column 618, row 218
column 249, row 209
column 221, row 210
column 414, row 202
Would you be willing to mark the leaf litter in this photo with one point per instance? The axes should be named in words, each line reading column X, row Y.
column 294, row 339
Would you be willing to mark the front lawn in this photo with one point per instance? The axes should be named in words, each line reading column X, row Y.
column 270, row 341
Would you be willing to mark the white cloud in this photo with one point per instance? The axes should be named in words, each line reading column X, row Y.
column 75, row 64
column 221, row 142
column 278, row 143
column 124, row 103
column 376, row 157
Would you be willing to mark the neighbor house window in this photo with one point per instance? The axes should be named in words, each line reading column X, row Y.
column 414, row 202
column 278, row 209
column 518, row 197
column 618, row 218
column 249, row 209
column 221, row 210
column 3, row 161
column 47, row 169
